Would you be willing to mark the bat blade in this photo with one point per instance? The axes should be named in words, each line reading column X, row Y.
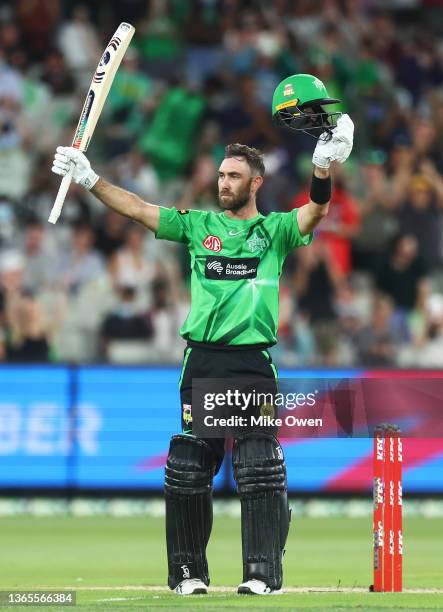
column 95, row 99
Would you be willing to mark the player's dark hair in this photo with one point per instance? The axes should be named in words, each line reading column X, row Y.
column 254, row 157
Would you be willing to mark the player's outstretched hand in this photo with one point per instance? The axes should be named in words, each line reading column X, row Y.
column 338, row 148
column 82, row 174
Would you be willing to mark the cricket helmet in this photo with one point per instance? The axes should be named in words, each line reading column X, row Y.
column 298, row 102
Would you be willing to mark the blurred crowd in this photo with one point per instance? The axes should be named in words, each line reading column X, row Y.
column 200, row 74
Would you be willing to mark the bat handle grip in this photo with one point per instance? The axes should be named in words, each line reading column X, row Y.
column 61, row 195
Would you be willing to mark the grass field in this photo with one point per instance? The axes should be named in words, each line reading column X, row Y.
column 120, row 563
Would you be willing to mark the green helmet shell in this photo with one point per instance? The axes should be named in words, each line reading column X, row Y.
column 299, row 90
column 298, row 103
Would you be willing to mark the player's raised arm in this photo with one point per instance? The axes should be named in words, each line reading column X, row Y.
column 120, row 200
column 310, row 215
column 328, row 149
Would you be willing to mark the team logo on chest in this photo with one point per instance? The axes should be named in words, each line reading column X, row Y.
column 257, row 244
column 213, row 243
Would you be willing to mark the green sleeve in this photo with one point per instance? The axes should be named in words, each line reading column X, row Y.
column 174, row 225
column 290, row 232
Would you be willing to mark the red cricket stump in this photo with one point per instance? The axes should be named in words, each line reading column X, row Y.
column 388, row 512
column 388, row 507
column 378, row 510
column 398, row 514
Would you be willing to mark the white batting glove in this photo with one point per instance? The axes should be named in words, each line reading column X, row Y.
column 83, row 174
column 338, row 148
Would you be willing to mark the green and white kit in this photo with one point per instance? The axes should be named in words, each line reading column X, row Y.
column 236, row 266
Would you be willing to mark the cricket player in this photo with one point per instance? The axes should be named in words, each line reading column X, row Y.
column 236, row 259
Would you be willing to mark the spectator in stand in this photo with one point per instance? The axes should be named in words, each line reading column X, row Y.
column 80, row 264
column 372, row 100
column 130, row 266
column 204, row 34
column 418, row 318
column 11, row 82
column 125, row 321
column 387, row 47
column 201, row 191
column 401, row 272
column 135, row 173
column 436, row 102
column 378, row 219
column 423, row 143
column 27, row 334
column 79, row 42
column 110, row 234
column 376, row 343
column 430, row 354
column 2, row 326
column 14, row 135
column 57, row 75
column 129, row 101
column 341, row 225
column 421, row 215
column 296, row 345
column 167, row 314
column 353, row 313
column 173, row 131
column 11, row 39
column 314, row 269
column 11, row 271
column 38, row 256
column 160, row 41
column 37, row 20
column 244, row 119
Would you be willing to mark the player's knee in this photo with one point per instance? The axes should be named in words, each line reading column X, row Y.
column 259, row 464
column 189, row 467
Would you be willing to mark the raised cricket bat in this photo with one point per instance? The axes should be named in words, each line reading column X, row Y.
column 97, row 94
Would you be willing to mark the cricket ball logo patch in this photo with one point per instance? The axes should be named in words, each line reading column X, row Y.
column 213, row 243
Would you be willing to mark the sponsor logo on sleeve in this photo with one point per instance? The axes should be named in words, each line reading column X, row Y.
column 213, row 243
column 231, row 268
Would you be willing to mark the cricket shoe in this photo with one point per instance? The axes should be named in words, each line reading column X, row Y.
column 256, row 587
column 191, row 586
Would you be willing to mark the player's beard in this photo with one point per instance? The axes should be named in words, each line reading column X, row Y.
column 237, row 201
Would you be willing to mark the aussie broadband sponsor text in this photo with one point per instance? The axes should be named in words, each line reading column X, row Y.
column 261, row 421
column 236, row 398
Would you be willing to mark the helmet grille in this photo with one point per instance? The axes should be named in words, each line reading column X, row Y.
column 313, row 120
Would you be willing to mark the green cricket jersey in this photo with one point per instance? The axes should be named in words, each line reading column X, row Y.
column 236, row 266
